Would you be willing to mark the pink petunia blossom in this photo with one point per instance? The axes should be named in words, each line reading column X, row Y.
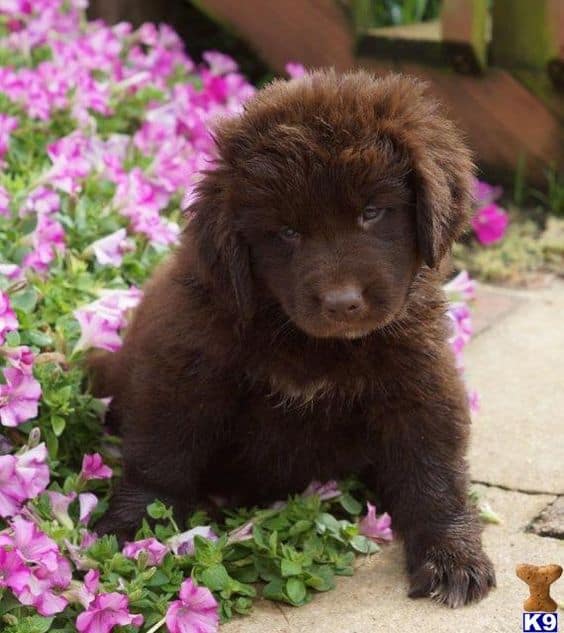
column 32, row 470
column 60, row 507
column 101, row 320
column 490, row 224
column 242, row 533
column 98, row 330
column 13, row 570
column 195, row 611
column 183, row 544
column 19, row 397
column 105, row 612
column 4, row 202
column 220, row 63
column 87, row 503
column 42, row 201
column 49, row 572
column 11, row 271
column 462, row 287
column 12, row 494
column 378, row 529
column 47, row 239
column 94, row 468
column 8, row 318
column 295, row 70
column 485, row 193
column 7, row 125
column 109, row 250
column 326, row 491
column 20, row 357
column 150, row 547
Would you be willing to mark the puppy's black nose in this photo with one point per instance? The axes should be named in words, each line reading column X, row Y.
column 344, row 303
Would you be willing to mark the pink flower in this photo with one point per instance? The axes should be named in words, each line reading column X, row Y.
column 485, row 193
column 105, row 612
column 13, row 570
column 11, row 492
column 32, row 471
column 94, row 468
column 490, row 224
column 7, row 125
column 461, row 287
column 21, row 358
column 196, row 611
column 98, row 329
column 87, row 503
column 109, row 250
column 474, row 401
column 376, row 528
column 42, row 201
column 325, row 491
column 47, row 239
column 183, row 544
column 101, row 320
column 32, row 544
column 154, row 550
column 8, row 318
column 10, row 271
column 60, row 507
column 242, row 533
column 219, row 63
column 460, row 317
column 4, row 202
column 19, row 397
column 49, row 572
column 295, row 70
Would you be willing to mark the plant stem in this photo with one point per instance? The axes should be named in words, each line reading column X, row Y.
column 157, row 626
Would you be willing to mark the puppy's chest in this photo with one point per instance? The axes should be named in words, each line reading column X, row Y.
column 286, row 390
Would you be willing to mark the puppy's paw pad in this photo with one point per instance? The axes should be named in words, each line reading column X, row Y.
column 453, row 581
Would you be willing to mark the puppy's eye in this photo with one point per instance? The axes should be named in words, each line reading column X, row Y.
column 372, row 214
column 288, row 234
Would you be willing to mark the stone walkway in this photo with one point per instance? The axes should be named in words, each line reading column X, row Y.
column 516, row 362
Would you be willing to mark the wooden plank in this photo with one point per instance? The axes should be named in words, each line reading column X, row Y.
column 502, row 120
column 467, row 21
column 522, row 33
column 315, row 33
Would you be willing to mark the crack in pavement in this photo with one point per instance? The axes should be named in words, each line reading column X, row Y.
column 488, row 484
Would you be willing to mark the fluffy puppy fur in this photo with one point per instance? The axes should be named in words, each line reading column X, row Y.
column 299, row 330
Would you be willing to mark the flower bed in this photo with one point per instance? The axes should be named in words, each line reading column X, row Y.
column 102, row 130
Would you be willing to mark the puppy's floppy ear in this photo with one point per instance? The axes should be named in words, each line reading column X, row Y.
column 222, row 255
column 441, row 163
column 443, row 175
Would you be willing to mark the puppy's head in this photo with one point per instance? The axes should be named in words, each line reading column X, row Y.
column 330, row 192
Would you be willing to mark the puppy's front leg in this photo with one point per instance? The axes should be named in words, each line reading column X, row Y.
column 421, row 475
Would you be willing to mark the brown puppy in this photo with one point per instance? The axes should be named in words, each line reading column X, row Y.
column 298, row 332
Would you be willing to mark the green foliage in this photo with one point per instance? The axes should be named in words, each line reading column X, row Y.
column 397, row 12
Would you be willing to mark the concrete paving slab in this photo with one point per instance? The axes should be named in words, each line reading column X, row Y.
column 374, row 600
column 517, row 366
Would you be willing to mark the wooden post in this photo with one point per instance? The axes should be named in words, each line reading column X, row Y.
column 524, row 33
column 464, row 26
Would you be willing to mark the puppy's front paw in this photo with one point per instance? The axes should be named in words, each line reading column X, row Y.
column 453, row 577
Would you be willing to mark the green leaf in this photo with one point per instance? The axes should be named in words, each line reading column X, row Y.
column 350, row 504
column 13, row 339
column 364, row 545
column 215, row 578
column 58, row 425
column 40, row 339
column 290, row 568
column 296, row 591
column 26, row 300
column 300, row 527
column 274, row 590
